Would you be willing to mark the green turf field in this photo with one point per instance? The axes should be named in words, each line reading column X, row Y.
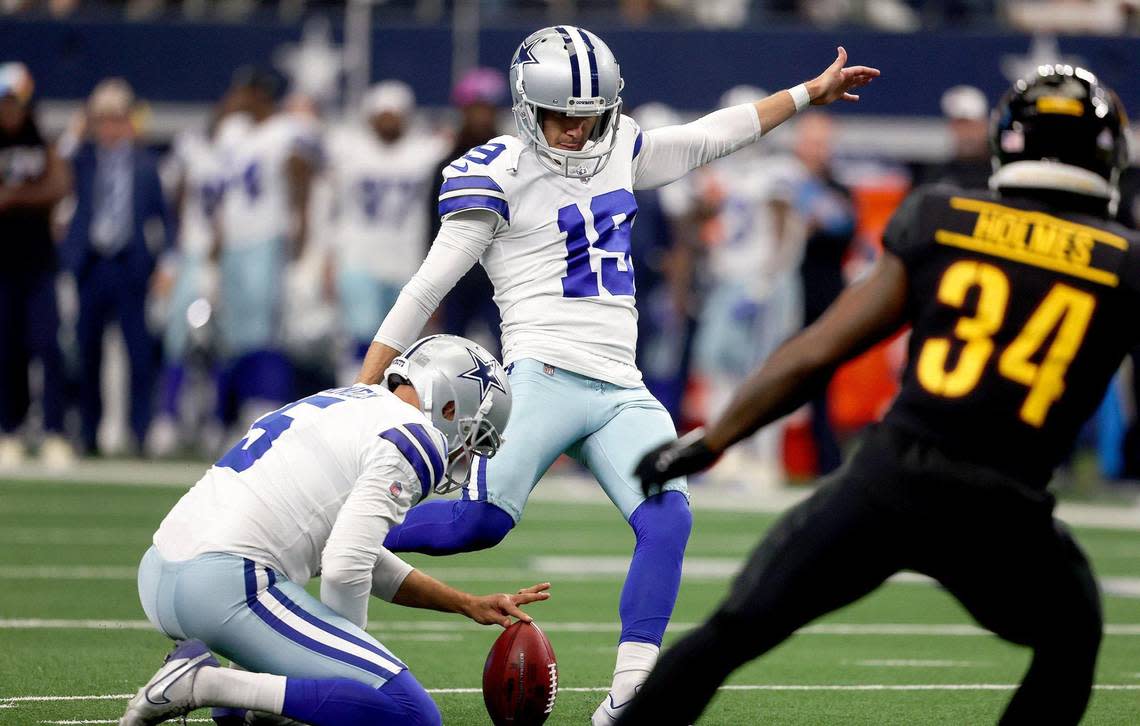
column 73, row 639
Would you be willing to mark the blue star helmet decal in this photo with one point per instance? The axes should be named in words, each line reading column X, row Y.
column 524, row 55
column 484, row 374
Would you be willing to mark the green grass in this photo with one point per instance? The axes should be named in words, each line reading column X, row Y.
column 67, row 526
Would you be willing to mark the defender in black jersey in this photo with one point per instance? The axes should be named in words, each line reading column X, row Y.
column 1022, row 302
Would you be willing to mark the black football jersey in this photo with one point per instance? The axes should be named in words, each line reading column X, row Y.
column 1021, row 312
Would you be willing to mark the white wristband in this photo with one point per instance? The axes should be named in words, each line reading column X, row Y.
column 800, row 97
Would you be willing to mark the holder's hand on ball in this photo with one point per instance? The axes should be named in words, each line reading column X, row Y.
column 500, row 608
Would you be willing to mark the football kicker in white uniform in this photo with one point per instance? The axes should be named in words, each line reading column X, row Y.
column 548, row 213
column 312, row 489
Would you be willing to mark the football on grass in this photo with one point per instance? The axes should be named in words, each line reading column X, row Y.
column 520, row 678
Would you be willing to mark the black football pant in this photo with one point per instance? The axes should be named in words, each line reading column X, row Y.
column 901, row 504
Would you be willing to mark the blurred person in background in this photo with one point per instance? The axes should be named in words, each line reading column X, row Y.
column 967, row 118
column 196, row 162
column 667, row 249
column 120, row 226
column 1098, row 17
column 381, row 175
column 1014, row 340
column 263, row 225
column 479, row 95
column 754, row 299
column 311, row 316
column 32, row 180
column 825, row 206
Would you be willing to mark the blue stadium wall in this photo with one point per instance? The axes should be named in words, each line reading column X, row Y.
column 687, row 69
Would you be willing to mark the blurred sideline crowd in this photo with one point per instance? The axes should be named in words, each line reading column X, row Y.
column 251, row 263
column 1105, row 17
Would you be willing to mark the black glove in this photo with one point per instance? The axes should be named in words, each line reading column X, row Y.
column 685, row 455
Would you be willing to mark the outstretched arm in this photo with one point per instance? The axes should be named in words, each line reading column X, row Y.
column 866, row 313
column 422, row 591
column 459, row 244
column 668, row 153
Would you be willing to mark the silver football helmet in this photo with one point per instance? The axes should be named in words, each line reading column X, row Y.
column 570, row 70
column 464, row 391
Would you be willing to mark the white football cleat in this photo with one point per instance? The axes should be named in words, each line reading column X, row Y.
column 608, row 711
column 170, row 692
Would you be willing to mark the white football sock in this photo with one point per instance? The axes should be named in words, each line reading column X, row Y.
column 634, row 662
column 231, row 688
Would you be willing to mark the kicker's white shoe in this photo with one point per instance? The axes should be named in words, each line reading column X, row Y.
column 170, row 692
column 608, row 712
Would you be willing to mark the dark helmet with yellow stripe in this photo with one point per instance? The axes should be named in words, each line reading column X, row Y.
column 1063, row 115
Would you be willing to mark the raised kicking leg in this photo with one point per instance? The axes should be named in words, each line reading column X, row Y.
column 546, row 418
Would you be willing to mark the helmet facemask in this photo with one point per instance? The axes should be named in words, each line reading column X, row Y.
column 475, row 436
column 582, row 164
column 570, row 71
column 462, row 389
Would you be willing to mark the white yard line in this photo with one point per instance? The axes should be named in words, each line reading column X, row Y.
column 564, row 567
column 42, row 536
column 562, row 488
column 902, row 663
column 405, row 628
column 859, row 687
column 732, row 687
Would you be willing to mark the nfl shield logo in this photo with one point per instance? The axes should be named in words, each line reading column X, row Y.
column 395, row 488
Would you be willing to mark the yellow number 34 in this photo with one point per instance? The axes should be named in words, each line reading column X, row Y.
column 1065, row 309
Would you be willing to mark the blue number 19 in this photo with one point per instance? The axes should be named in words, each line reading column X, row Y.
column 613, row 214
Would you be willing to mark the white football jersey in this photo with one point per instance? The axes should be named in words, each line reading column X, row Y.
column 200, row 163
column 276, row 497
column 255, row 205
column 560, row 257
column 381, row 193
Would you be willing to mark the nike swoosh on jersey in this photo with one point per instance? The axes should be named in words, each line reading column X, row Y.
column 165, row 682
column 455, row 165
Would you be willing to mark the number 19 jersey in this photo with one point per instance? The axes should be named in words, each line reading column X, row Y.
column 1021, row 314
column 560, row 256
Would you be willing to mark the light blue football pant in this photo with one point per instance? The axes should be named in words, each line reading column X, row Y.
column 258, row 619
column 364, row 301
column 249, row 315
column 605, row 427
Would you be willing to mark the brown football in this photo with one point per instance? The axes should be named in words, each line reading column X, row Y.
column 520, row 678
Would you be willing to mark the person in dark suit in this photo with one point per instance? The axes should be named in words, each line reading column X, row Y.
column 32, row 180
column 121, row 223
